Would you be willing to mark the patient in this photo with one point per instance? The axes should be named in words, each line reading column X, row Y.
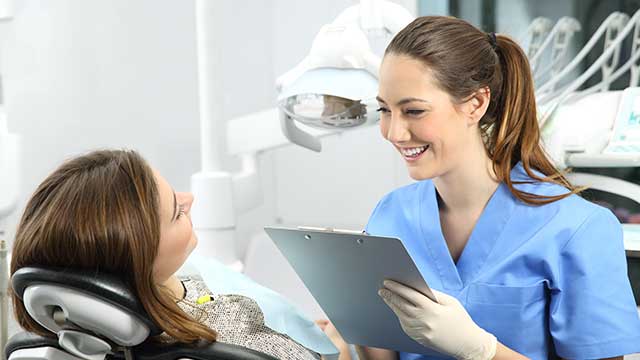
column 108, row 211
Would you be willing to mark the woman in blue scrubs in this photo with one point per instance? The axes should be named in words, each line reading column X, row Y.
column 522, row 266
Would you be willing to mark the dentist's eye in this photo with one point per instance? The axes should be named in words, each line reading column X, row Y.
column 414, row 112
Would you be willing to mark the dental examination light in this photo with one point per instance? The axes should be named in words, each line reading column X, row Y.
column 331, row 90
column 335, row 86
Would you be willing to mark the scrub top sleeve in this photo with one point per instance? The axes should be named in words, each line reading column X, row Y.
column 592, row 312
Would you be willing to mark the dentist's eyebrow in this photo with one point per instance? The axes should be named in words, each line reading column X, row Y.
column 405, row 100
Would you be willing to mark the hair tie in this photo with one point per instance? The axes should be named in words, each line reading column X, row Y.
column 492, row 40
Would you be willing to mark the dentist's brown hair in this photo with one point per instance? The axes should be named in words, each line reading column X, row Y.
column 463, row 60
column 101, row 213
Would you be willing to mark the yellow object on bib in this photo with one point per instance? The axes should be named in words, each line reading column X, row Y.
column 204, row 299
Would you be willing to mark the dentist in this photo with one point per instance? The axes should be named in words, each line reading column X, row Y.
column 522, row 266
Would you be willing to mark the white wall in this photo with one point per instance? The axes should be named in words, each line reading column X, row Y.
column 80, row 75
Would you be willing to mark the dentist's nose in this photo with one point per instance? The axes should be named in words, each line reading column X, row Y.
column 397, row 130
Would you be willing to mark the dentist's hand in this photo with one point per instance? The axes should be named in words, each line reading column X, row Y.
column 444, row 326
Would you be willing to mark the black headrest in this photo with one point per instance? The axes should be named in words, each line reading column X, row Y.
column 103, row 286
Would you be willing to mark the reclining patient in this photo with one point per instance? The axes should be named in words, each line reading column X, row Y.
column 108, row 211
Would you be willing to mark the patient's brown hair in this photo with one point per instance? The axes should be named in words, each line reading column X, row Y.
column 100, row 212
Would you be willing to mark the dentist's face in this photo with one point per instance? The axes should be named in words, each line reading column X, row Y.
column 419, row 118
column 177, row 238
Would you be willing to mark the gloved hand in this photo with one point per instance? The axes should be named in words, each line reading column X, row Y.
column 444, row 326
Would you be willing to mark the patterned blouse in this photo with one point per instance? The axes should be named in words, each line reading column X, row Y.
column 238, row 320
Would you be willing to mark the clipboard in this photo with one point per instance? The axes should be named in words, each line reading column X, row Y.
column 344, row 270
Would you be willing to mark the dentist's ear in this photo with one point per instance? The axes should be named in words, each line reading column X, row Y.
column 476, row 106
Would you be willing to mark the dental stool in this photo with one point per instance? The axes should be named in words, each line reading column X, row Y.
column 94, row 317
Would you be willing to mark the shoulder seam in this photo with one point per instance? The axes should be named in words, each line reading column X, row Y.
column 586, row 219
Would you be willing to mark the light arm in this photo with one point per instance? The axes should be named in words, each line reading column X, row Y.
column 613, row 20
column 537, row 33
column 575, row 84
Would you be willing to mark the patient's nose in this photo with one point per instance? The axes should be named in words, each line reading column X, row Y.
column 186, row 200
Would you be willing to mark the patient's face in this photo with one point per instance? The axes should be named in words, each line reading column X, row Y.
column 177, row 238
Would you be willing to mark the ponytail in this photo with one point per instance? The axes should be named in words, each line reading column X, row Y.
column 517, row 136
column 463, row 60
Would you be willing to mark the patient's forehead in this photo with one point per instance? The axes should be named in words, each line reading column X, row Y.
column 165, row 192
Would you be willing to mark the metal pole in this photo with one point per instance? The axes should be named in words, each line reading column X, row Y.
column 213, row 132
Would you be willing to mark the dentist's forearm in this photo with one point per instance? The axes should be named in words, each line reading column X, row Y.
column 504, row 353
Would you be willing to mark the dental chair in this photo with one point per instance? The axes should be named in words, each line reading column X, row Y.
column 95, row 316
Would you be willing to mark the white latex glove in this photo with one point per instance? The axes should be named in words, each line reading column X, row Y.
column 444, row 326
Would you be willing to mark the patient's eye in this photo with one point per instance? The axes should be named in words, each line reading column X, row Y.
column 180, row 211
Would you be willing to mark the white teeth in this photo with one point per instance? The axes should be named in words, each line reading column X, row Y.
column 414, row 151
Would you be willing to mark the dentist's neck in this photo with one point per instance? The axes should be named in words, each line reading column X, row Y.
column 469, row 186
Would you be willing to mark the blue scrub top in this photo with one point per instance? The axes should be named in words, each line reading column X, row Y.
column 546, row 280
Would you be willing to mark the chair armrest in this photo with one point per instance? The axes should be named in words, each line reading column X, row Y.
column 213, row 351
column 25, row 340
column 150, row 351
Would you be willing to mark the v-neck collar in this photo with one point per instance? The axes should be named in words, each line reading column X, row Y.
column 484, row 236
